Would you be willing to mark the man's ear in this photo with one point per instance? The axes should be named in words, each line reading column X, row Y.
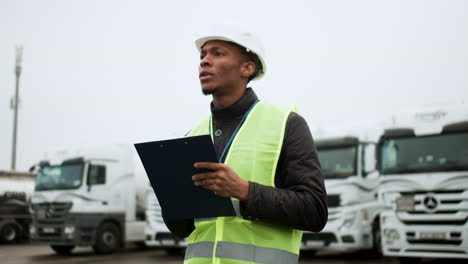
column 248, row 68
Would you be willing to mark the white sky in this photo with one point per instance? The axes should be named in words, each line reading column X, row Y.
column 126, row 71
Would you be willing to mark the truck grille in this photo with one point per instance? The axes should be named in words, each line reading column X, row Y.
column 51, row 213
column 438, row 207
column 153, row 213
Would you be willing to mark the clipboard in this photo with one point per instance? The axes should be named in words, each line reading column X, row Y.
column 169, row 166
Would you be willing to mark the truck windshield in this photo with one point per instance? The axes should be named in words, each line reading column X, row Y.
column 338, row 162
column 61, row 177
column 445, row 152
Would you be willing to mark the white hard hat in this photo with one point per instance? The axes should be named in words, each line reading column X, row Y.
column 239, row 36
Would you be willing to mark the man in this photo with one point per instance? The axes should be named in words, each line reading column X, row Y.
column 267, row 164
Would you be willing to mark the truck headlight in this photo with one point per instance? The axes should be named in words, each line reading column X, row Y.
column 69, row 231
column 32, row 230
column 348, row 220
column 391, row 235
column 389, row 198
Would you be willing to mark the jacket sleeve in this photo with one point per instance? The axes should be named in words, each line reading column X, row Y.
column 299, row 199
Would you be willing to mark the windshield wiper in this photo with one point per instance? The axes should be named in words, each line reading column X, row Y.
column 402, row 170
column 453, row 168
column 335, row 175
column 428, row 169
column 40, row 187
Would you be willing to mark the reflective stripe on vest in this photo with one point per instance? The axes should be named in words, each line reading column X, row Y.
column 237, row 251
column 253, row 155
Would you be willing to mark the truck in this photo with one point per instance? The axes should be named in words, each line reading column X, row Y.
column 351, row 181
column 89, row 196
column 157, row 234
column 16, row 189
column 423, row 162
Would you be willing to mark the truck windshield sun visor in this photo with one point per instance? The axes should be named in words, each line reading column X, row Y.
column 400, row 132
column 337, row 142
column 74, row 161
column 44, row 163
column 456, row 127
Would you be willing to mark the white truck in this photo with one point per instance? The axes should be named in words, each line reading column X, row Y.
column 351, row 180
column 423, row 162
column 90, row 196
column 16, row 189
column 157, row 234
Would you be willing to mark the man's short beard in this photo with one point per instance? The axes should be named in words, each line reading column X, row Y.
column 209, row 91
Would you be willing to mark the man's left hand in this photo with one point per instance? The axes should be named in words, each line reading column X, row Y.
column 222, row 180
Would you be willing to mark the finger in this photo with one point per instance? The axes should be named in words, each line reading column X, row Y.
column 208, row 183
column 204, row 176
column 208, row 165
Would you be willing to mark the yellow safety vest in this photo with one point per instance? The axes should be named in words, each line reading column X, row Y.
column 253, row 155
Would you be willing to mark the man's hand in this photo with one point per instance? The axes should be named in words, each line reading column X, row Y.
column 222, row 180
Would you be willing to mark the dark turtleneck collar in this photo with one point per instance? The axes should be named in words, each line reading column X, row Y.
column 236, row 109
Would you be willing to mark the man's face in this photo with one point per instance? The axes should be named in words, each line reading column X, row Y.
column 220, row 67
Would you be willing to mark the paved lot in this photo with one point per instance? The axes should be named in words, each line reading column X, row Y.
column 26, row 253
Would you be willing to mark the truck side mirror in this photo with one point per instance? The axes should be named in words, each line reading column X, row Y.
column 369, row 159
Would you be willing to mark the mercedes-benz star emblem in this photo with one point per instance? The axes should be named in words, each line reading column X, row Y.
column 430, row 202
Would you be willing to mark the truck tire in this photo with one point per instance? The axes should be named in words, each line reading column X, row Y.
column 309, row 252
column 175, row 251
column 141, row 245
column 10, row 233
column 376, row 238
column 108, row 239
column 409, row 260
column 62, row 250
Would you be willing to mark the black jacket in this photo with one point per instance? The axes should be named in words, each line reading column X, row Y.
column 299, row 199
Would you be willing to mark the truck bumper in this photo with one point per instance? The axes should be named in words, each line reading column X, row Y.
column 70, row 230
column 334, row 236
column 434, row 241
column 73, row 230
column 156, row 238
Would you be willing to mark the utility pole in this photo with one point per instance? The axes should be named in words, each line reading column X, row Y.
column 15, row 103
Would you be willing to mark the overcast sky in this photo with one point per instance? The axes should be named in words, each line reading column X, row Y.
column 127, row 71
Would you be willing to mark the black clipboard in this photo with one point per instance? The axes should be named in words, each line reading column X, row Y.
column 169, row 166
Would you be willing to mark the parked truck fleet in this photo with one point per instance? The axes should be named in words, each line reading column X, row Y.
column 402, row 192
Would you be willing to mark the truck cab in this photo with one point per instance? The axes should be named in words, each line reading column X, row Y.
column 15, row 193
column 351, row 180
column 157, row 234
column 423, row 162
column 87, row 196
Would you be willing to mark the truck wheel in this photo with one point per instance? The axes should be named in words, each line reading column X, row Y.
column 409, row 260
column 141, row 245
column 309, row 253
column 175, row 251
column 10, row 233
column 62, row 250
column 108, row 239
column 377, row 238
